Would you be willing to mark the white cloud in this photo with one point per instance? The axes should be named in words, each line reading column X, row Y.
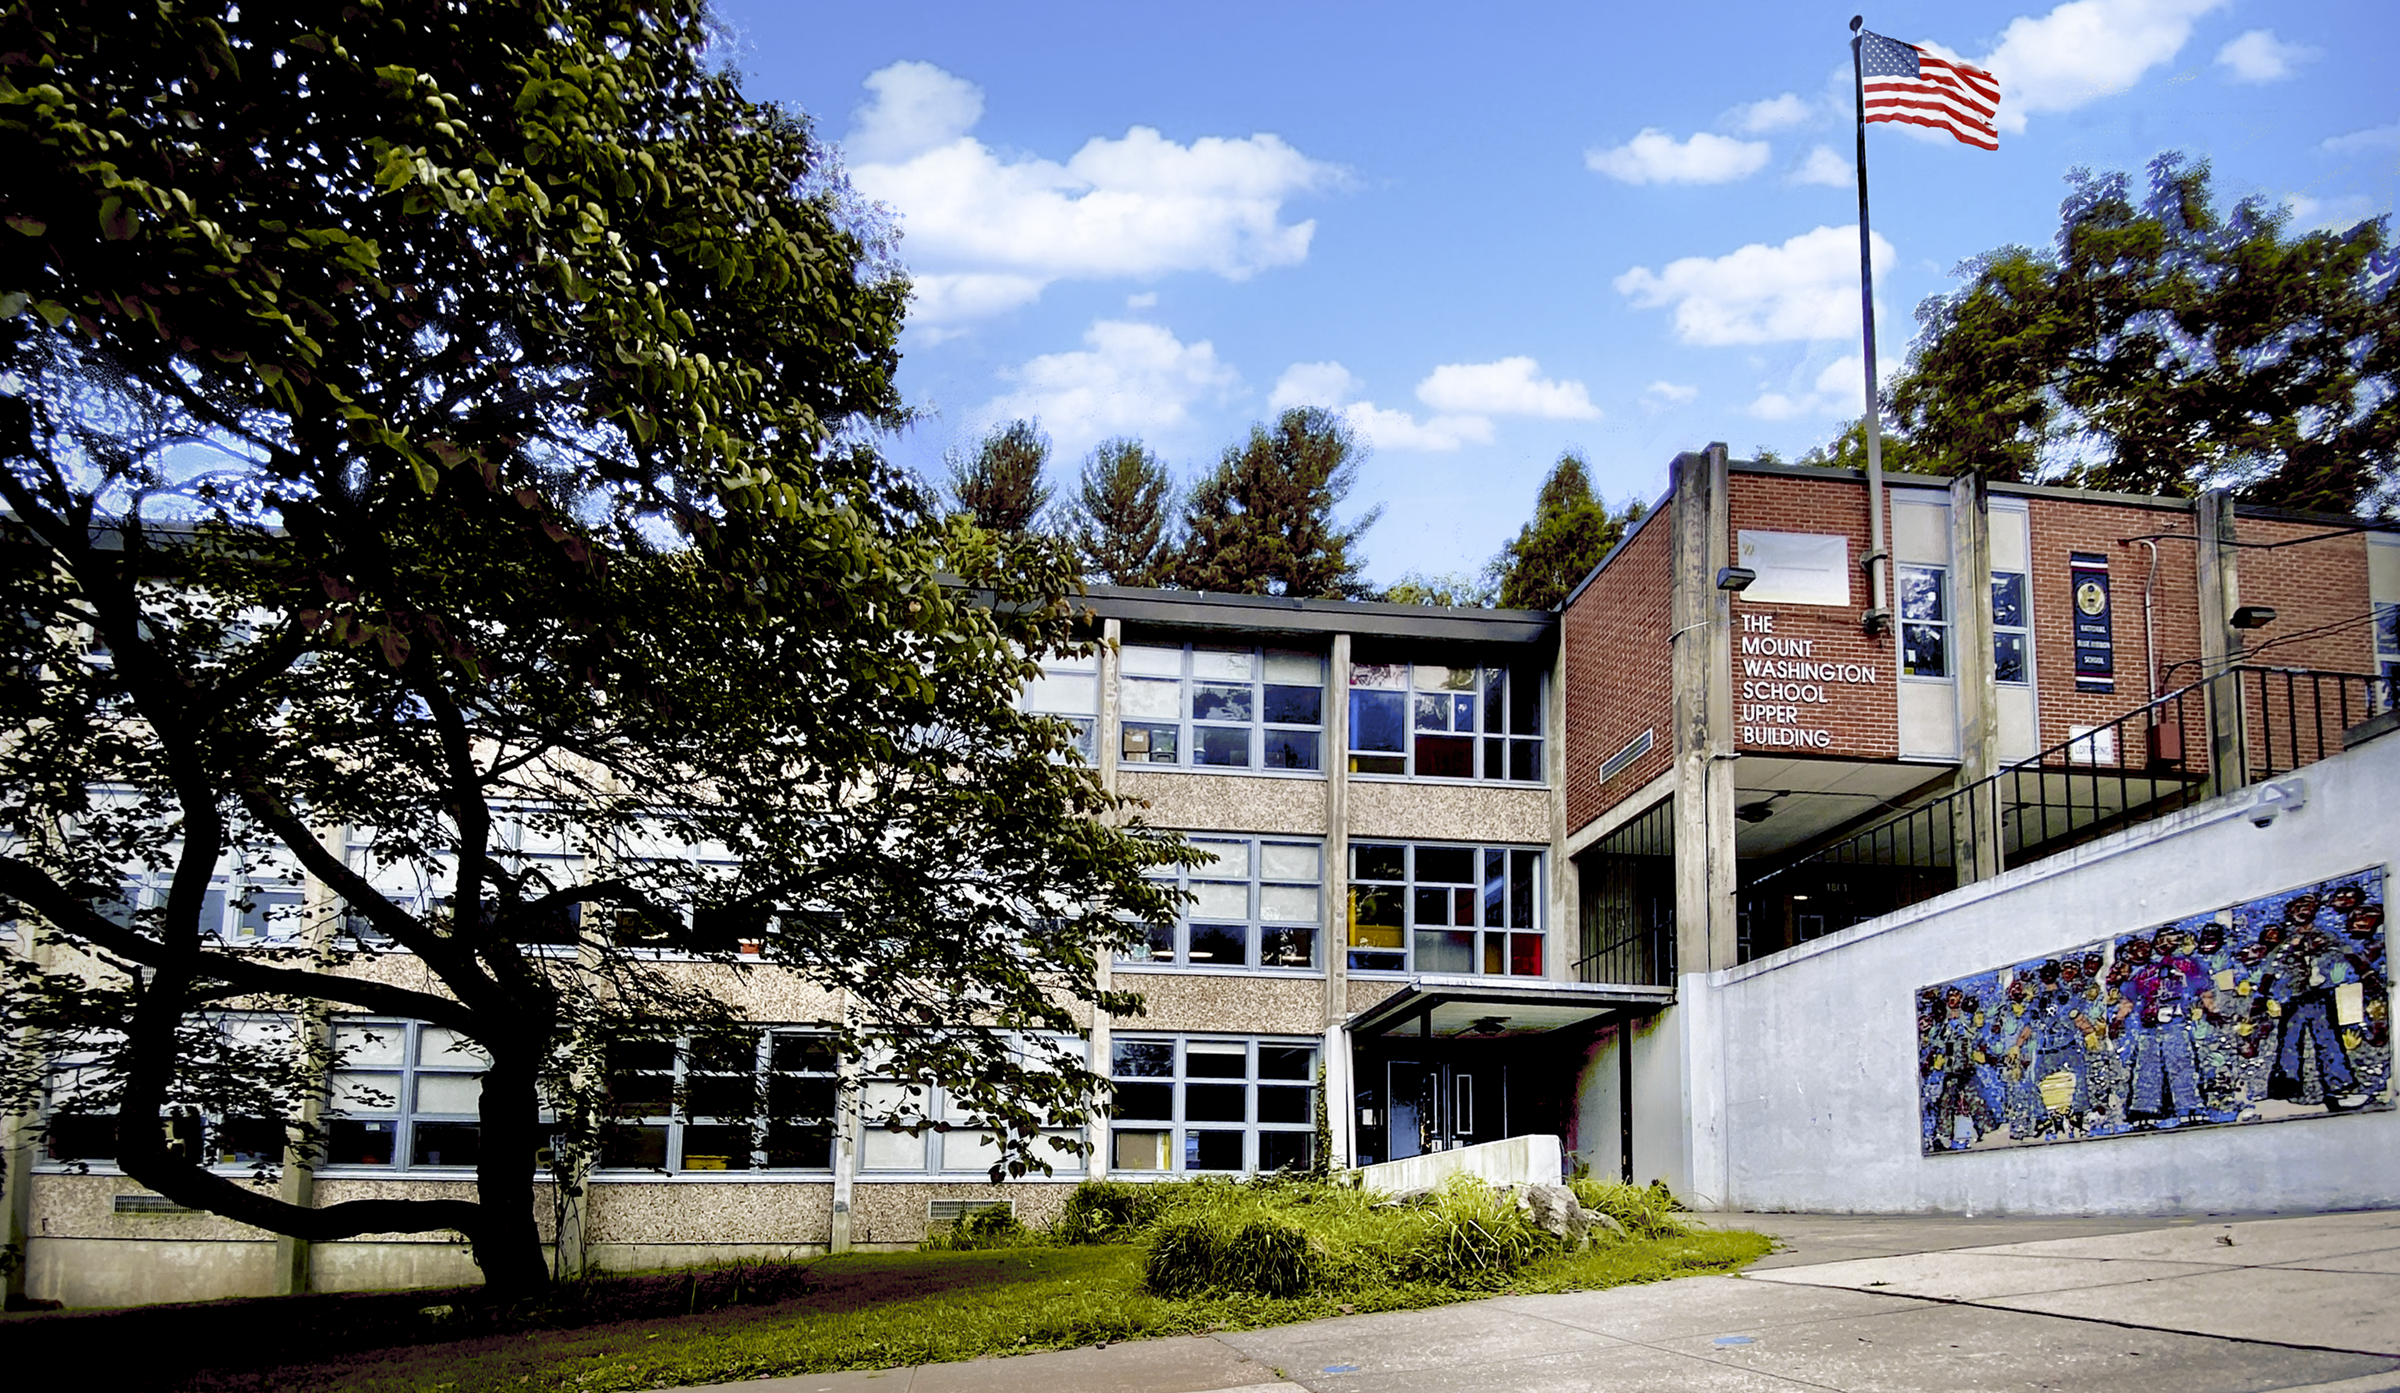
column 2309, row 214
column 1147, row 300
column 1134, row 207
column 2372, row 138
column 1337, row 389
column 1397, row 430
column 1314, row 384
column 1662, row 394
column 1508, row 387
column 1654, row 157
column 1839, row 390
column 916, row 107
column 1773, row 114
column 1129, row 379
column 1824, row 167
column 1805, row 289
column 2259, row 56
column 2083, row 51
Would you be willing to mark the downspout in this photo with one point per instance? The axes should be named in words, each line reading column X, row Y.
column 2150, row 625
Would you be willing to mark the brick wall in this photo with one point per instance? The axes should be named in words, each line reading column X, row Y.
column 2058, row 529
column 1618, row 674
column 2315, row 585
column 1861, row 718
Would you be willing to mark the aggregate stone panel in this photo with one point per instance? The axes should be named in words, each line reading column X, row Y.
column 1229, row 802
column 1362, row 995
column 895, row 1212
column 1248, row 1005
column 1450, row 812
column 710, row 1212
column 762, row 992
column 84, row 1206
column 394, row 1187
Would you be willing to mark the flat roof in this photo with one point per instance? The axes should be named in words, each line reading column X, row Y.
column 1283, row 614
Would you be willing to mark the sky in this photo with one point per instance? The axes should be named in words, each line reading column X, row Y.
column 1488, row 236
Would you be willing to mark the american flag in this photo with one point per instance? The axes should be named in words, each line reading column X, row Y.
column 1905, row 83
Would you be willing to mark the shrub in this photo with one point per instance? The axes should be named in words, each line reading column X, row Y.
column 1230, row 1251
column 1111, row 1211
column 1469, row 1235
column 1646, row 1211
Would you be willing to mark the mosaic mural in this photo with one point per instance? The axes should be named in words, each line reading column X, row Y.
column 2276, row 1008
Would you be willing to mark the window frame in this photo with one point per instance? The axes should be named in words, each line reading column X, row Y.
column 677, row 1122
column 1179, row 1132
column 1189, row 724
column 1496, row 696
column 1942, row 623
column 2022, row 631
column 1086, row 721
column 1411, row 892
column 940, row 1120
column 406, row 1110
column 1255, row 925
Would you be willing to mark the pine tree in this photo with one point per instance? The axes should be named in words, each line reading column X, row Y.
column 1000, row 485
column 1571, row 532
column 1261, row 522
column 1121, row 519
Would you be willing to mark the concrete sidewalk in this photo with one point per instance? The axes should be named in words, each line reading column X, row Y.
column 1864, row 1304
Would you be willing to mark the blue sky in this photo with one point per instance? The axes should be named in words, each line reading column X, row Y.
column 1489, row 235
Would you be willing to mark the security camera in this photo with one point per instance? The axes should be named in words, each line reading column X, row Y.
column 2274, row 799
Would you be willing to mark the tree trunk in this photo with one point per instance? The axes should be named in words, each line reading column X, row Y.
column 508, row 1241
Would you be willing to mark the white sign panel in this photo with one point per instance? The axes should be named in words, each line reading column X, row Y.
column 1796, row 568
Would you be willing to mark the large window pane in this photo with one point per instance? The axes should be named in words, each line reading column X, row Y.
column 445, row 1144
column 1379, row 721
column 1221, row 745
column 1220, row 945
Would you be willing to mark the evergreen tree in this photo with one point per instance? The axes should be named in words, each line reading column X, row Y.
column 2164, row 347
column 1121, row 519
column 1448, row 590
column 1571, row 532
column 1000, row 485
column 1261, row 522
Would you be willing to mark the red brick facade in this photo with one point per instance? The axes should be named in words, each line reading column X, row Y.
column 1614, row 637
column 1862, row 717
column 2059, row 529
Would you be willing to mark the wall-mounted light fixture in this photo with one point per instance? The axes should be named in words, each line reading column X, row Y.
column 1759, row 811
column 1735, row 579
column 2253, row 617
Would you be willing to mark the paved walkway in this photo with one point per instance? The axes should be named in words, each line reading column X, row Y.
column 1862, row 1304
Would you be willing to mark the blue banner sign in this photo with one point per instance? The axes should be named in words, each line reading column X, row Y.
column 2095, row 639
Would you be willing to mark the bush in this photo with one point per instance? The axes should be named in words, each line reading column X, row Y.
column 1468, row 1235
column 1112, row 1211
column 1646, row 1211
column 992, row 1226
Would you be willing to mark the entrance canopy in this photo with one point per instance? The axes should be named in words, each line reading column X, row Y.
column 1502, row 1009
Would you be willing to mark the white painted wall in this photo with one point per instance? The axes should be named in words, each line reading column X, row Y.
column 1815, row 1049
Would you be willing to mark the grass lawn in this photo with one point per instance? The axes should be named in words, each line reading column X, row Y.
column 880, row 1310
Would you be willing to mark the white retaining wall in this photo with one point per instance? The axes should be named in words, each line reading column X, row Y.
column 1803, row 1091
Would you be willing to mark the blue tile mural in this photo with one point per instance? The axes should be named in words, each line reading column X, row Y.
column 2276, row 1008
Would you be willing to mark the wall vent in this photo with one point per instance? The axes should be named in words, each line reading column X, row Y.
column 943, row 1213
column 1617, row 763
column 149, row 1204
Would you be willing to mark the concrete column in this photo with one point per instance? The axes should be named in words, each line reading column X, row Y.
column 1701, row 654
column 21, row 1134
column 1105, row 751
column 1975, row 820
column 845, row 1151
column 1341, row 1102
column 1565, row 934
column 321, row 921
column 2220, row 594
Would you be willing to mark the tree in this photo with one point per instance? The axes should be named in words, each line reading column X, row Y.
column 1449, row 590
column 2166, row 347
column 1121, row 519
column 446, row 427
column 1571, row 533
column 1261, row 522
column 1000, row 485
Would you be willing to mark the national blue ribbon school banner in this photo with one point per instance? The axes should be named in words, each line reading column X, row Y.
column 2095, row 635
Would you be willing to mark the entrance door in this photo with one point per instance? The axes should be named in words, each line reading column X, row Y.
column 1439, row 1106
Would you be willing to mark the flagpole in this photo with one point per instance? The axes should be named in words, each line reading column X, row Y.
column 1879, row 612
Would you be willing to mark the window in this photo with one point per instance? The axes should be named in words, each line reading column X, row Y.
column 1446, row 909
column 1255, row 905
column 1924, row 621
column 919, row 1128
column 1201, row 706
column 1212, row 1103
column 404, row 1095
column 2387, row 650
column 79, row 1098
column 528, row 843
column 260, row 909
column 740, row 1101
column 1068, row 688
column 1430, row 721
column 2012, row 636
